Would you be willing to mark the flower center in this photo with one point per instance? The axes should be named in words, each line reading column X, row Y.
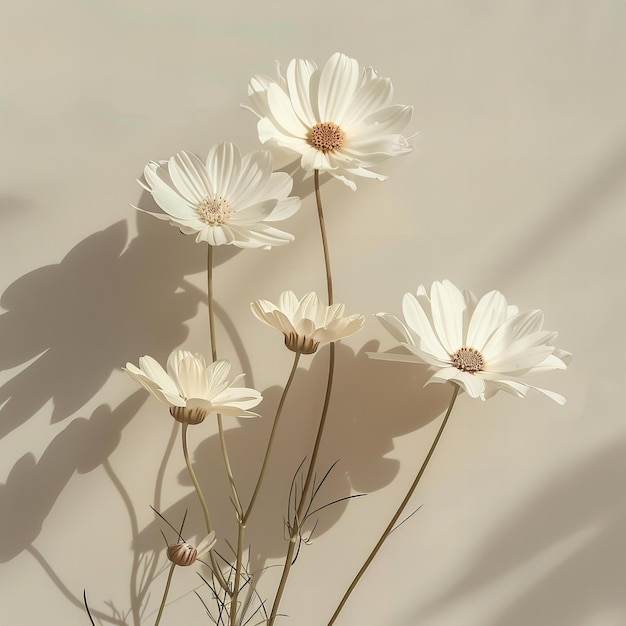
column 214, row 211
column 326, row 136
column 468, row 360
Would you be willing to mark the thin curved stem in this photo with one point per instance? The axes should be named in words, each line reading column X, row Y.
column 194, row 480
column 220, row 425
column 296, row 528
column 205, row 509
column 209, row 273
column 241, row 530
column 246, row 516
column 320, row 215
column 165, row 592
column 401, row 508
column 270, row 443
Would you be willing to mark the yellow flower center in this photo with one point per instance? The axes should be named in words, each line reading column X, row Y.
column 214, row 211
column 468, row 360
column 326, row 136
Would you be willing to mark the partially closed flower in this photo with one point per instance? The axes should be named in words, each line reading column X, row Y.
column 192, row 389
column 306, row 323
column 338, row 119
column 230, row 199
column 483, row 346
column 184, row 554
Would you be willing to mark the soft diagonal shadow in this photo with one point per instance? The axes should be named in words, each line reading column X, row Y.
column 565, row 220
column 582, row 503
column 33, row 487
column 373, row 402
column 84, row 317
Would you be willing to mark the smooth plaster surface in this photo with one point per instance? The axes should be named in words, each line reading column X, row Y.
column 517, row 183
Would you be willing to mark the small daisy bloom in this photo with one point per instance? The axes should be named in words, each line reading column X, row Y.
column 483, row 346
column 184, row 554
column 192, row 389
column 338, row 119
column 230, row 199
column 306, row 323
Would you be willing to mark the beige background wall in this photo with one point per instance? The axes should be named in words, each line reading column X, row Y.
column 517, row 183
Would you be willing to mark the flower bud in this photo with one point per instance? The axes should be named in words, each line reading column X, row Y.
column 182, row 553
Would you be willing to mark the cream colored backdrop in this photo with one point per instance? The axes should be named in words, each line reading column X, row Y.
column 517, row 183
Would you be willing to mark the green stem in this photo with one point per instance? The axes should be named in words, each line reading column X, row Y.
column 401, row 508
column 165, row 592
column 296, row 528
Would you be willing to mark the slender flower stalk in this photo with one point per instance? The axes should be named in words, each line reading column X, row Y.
column 194, row 480
column 248, row 512
column 165, row 592
column 205, row 510
column 220, row 424
column 270, row 443
column 295, row 530
column 320, row 215
column 229, row 472
column 401, row 508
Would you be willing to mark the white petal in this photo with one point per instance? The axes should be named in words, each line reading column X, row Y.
column 284, row 209
column 513, row 329
column 420, row 324
column 448, row 306
column 192, row 378
column 370, row 97
column 471, row 383
column 396, row 328
column 282, row 114
column 252, row 213
column 254, row 174
column 395, row 356
column 339, row 79
column 288, row 303
column 224, row 166
column 299, row 77
column 489, row 314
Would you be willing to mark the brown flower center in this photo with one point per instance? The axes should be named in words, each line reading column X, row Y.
column 214, row 211
column 326, row 136
column 468, row 360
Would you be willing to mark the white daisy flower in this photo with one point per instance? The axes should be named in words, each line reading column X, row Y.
column 338, row 119
column 192, row 389
column 306, row 323
column 483, row 346
column 230, row 199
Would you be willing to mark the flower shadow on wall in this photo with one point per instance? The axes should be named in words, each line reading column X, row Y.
column 361, row 428
column 80, row 319
column 32, row 487
column 572, row 532
column 68, row 320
